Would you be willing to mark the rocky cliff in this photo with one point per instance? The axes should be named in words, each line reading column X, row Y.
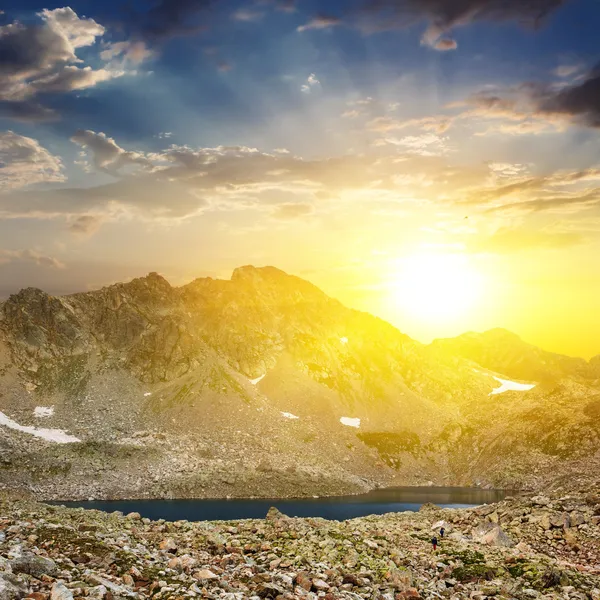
column 263, row 385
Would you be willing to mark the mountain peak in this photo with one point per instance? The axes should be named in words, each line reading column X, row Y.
column 252, row 273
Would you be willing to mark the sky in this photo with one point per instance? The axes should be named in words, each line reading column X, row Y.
column 434, row 162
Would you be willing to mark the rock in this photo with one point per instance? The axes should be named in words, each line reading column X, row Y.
column 10, row 591
column 545, row 521
column 409, row 594
column 97, row 592
column 38, row 596
column 60, row 591
column 205, row 574
column 33, row 565
column 576, row 519
column 492, row 535
column 560, row 520
column 168, row 545
column 269, row 590
column 541, row 500
column 320, row 585
column 134, row 516
column 274, row 514
column 351, row 579
column 305, row 582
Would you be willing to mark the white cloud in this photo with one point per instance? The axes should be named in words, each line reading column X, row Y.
column 127, row 51
column 311, row 82
column 105, row 153
column 319, row 22
column 25, row 162
column 29, row 256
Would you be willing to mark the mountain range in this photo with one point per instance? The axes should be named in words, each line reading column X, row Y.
column 262, row 385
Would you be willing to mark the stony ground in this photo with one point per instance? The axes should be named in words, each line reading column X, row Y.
column 525, row 548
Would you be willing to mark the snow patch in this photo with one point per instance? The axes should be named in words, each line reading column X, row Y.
column 511, row 386
column 288, row 415
column 350, row 422
column 344, row 340
column 43, row 411
column 257, row 380
column 57, row 436
column 146, row 394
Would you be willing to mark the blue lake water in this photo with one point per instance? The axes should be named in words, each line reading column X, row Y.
column 375, row 502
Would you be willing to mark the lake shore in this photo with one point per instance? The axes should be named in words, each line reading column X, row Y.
column 528, row 547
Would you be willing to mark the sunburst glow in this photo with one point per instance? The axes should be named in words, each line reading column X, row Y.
column 437, row 287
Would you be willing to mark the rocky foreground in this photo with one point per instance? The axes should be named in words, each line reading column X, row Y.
column 526, row 548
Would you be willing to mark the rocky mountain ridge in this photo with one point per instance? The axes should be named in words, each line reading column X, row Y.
column 263, row 385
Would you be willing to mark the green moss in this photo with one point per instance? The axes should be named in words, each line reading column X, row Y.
column 474, row 572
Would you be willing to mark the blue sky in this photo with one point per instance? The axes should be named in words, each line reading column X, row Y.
column 330, row 139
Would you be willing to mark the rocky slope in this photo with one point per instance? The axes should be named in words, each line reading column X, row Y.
column 523, row 548
column 263, row 385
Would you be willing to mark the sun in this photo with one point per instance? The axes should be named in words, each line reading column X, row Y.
column 440, row 288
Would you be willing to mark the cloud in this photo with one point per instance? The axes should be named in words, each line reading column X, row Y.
column 445, row 44
column 293, row 211
column 23, row 161
column 579, row 102
column 133, row 52
column 86, row 225
column 437, row 124
column 443, row 16
column 40, row 58
column 106, row 154
column 173, row 18
column 507, row 240
column 568, row 70
column 535, row 107
column 180, row 182
column 29, row 256
column 320, row 22
column 428, row 144
column 311, row 82
column 247, row 15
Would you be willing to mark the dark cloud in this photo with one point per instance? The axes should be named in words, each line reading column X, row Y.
column 174, row 18
column 442, row 16
column 26, row 111
column 39, row 58
column 549, row 103
column 86, row 225
column 580, row 102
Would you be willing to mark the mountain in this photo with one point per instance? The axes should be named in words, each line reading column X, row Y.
column 505, row 352
column 262, row 385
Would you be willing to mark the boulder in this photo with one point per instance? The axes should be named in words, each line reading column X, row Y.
column 60, row 591
column 205, row 574
column 492, row 535
column 10, row 590
column 33, row 565
column 168, row 545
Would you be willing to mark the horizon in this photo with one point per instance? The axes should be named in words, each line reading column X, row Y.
column 434, row 164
